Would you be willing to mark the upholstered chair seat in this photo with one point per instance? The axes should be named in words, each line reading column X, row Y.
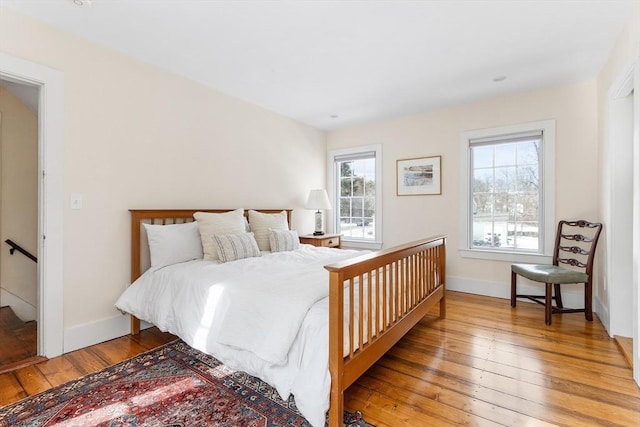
column 549, row 273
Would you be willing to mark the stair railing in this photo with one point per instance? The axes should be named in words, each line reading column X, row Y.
column 17, row 247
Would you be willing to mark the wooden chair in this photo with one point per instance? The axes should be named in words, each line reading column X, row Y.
column 575, row 246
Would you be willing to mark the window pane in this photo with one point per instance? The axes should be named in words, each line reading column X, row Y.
column 358, row 186
column 345, row 187
column 356, row 206
column 505, row 154
column 345, row 169
column 528, row 178
column 482, row 156
column 345, row 207
column 482, row 180
column 528, row 153
column 505, row 179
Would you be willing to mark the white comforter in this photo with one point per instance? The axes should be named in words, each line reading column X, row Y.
column 267, row 316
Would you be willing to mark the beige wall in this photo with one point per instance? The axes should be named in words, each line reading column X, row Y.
column 574, row 108
column 19, row 189
column 140, row 137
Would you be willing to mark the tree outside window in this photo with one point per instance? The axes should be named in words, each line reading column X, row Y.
column 357, row 198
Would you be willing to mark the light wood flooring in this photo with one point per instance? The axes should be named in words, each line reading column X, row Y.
column 484, row 365
column 18, row 339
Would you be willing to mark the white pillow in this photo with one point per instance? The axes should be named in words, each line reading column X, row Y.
column 231, row 247
column 262, row 224
column 169, row 244
column 210, row 224
column 284, row 240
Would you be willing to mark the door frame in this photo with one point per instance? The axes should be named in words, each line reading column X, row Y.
column 626, row 84
column 636, row 219
column 50, row 195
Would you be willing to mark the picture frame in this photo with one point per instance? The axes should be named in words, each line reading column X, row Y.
column 419, row 176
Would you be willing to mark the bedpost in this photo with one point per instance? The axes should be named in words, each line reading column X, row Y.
column 443, row 280
column 336, row 351
column 135, row 262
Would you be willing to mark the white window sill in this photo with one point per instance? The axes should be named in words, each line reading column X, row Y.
column 506, row 256
column 359, row 244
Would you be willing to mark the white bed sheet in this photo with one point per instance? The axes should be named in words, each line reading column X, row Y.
column 189, row 300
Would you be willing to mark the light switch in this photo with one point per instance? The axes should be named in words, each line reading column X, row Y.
column 76, row 201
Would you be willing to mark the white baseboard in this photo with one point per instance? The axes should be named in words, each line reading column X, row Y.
column 92, row 333
column 603, row 314
column 572, row 295
column 20, row 307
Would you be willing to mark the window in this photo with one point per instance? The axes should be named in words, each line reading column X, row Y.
column 355, row 193
column 508, row 209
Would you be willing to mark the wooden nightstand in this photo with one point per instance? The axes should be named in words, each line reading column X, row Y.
column 326, row 240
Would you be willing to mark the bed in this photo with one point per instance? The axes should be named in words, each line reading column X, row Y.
column 373, row 300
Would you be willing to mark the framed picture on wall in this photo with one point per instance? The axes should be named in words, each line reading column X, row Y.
column 419, row 176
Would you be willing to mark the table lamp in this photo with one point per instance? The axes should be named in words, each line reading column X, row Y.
column 318, row 200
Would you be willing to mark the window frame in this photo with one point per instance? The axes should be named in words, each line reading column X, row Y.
column 332, row 172
column 547, row 166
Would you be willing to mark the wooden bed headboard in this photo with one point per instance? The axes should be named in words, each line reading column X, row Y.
column 140, row 259
column 139, row 245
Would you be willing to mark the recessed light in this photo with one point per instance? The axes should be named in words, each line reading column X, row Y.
column 82, row 2
column 333, row 116
column 499, row 78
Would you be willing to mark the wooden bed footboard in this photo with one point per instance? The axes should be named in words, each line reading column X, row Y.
column 384, row 294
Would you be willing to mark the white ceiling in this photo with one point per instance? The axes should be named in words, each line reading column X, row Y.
column 359, row 60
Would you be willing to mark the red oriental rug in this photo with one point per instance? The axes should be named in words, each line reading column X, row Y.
column 170, row 386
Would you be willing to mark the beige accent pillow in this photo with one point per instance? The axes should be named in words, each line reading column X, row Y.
column 284, row 240
column 231, row 247
column 261, row 224
column 210, row 224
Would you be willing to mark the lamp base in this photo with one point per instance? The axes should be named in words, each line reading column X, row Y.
column 319, row 231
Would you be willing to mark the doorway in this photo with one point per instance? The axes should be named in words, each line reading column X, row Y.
column 18, row 223
column 51, row 125
column 624, row 216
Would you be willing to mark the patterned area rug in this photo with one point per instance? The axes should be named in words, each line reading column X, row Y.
column 171, row 386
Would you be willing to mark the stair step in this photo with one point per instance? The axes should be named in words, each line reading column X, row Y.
column 18, row 338
column 8, row 318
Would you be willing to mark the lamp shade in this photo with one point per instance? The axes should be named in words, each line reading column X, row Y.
column 318, row 199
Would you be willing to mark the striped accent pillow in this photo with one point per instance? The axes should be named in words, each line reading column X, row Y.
column 231, row 247
column 283, row 240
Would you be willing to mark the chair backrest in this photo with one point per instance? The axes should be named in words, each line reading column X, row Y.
column 576, row 243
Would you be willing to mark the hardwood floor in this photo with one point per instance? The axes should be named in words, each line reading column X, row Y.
column 484, row 365
column 18, row 338
column 487, row 364
column 36, row 378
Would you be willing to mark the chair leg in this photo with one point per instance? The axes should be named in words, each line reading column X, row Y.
column 588, row 297
column 547, row 303
column 513, row 289
column 558, row 294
